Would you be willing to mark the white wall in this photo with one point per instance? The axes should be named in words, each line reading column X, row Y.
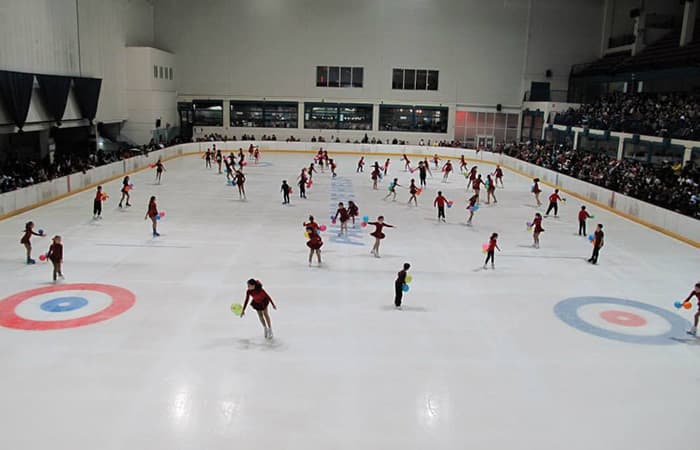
column 270, row 48
column 65, row 37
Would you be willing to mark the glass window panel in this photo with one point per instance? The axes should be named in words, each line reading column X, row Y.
column 471, row 133
column 321, row 115
column 208, row 113
column 345, row 76
column 511, row 135
column 409, row 79
column 432, row 80
column 489, row 119
column 500, row 120
column 395, row 118
column 355, row 117
column 155, row 71
column 499, row 135
column 171, row 73
column 281, row 115
column 459, row 133
column 661, row 153
column 334, row 77
column 482, row 119
column 397, row 79
column 421, row 79
column 247, row 114
column 512, row 121
column 637, row 152
column 431, row 119
column 460, row 118
column 322, row 76
column 160, row 71
column 471, row 120
column 358, row 74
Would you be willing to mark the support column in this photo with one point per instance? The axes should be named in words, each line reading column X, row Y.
column 639, row 31
column 608, row 12
column 689, row 16
column 575, row 140
column 687, row 155
column 620, row 148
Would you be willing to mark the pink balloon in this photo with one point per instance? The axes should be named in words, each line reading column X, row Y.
column 322, row 228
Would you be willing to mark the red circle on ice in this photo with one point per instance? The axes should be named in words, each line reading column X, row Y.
column 122, row 300
column 624, row 318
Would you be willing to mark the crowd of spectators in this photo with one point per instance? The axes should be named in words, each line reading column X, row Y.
column 669, row 186
column 674, row 115
column 336, row 139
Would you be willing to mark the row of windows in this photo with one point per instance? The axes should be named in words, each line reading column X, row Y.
column 415, row 79
column 334, row 116
column 164, row 73
column 411, row 79
column 339, row 76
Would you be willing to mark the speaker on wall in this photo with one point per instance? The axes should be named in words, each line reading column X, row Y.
column 539, row 92
column 548, row 73
column 634, row 13
column 157, row 123
column 499, row 107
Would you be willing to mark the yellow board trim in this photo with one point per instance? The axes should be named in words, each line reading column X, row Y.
column 630, row 217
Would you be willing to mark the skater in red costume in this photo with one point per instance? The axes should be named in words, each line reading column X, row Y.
column 407, row 163
column 26, row 240
column 436, row 160
column 353, row 211
column 491, row 250
column 462, row 164
column 582, row 216
column 342, row 212
column 360, row 165
column 413, row 190
column 259, row 300
column 537, row 229
column 476, row 185
column 386, row 166
column 314, row 241
column 536, row 190
column 376, row 173
column 446, row 169
column 377, row 233
column 471, row 207
column 499, row 175
column 440, row 201
column 490, row 190
column 554, row 198
column 152, row 213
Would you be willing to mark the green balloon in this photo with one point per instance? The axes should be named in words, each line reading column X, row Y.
column 237, row 309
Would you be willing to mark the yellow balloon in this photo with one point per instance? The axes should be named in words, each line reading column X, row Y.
column 409, row 278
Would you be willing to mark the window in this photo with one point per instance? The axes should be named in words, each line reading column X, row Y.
column 418, row 79
column 155, row 72
column 338, row 116
column 160, row 70
column 424, row 119
column 281, row 115
column 355, row 117
column 339, row 76
column 171, row 73
column 208, row 113
column 247, row 114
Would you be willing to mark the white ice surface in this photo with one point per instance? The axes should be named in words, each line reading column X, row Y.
column 477, row 359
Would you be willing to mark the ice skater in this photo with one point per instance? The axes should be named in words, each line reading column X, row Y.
column 554, row 199
column 126, row 187
column 491, row 250
column 471, row 207
column 353, row 211
column 259, row 300
column 422, row 172
column 27, row 242
column 160, row 168
column 378, row 235
column 537, row 229
column 256, row 154
column 598, row 242
column 436, row 161
column 694, row 293
column 440, row 202
column 446, row 169
column 536, row 190
column 360, row 165
column 310, row 171
column 314, row 241
column 375, row 175
column 392, row 189
column 490, row 190
column 342, row 212
column 207, row 159
column 55, row 255
column 413, row 190
column 285, row 190
column 462, row 164
column 333, row 166
column 152, row 213
column 386, row 166
column 100, row 197
column 476, row 185
column 219, row 159
column 582, row 216
column 407, row 163
column 398, row 285
column 240, row 182
column 499, row 175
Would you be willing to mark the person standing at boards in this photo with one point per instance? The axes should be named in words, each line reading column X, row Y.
column 259, row 300
column 598, row 242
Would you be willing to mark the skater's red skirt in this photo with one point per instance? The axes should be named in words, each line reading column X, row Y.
column 314, row 244
column 379, row 235
column 260, row 305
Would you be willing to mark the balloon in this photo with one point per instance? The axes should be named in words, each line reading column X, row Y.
column 162, row 214
column 363, row 224
column 449, row 204
column 678, row 305
column 306, row 234
column 228, row 182
column 528, row 224
column 237, row 309
column 476, row 207
column 41, row 232
column 42, row 257
column 333, row 221
column 322, row 228
column 590, row 237
column 409, row 278
column 591, row 217
column 365, row 218
column 405, row 287
column 157, row 217
column 687, row 305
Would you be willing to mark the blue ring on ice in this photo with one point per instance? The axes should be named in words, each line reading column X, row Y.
column 64, row 304
column 567, row 311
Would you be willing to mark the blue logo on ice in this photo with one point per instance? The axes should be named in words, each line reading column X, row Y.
column 63, row 304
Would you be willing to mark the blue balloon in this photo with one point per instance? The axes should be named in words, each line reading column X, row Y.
column 405, row 287
column 365, row 218
column 476, row 207
column 590, row 237
column 158, row 217
column 678, row 305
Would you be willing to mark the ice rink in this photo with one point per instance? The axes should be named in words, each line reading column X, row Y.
column 544, row 352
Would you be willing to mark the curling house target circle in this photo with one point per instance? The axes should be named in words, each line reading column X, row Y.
column 64, row 306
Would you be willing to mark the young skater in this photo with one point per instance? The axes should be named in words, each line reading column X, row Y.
column 256, row 154
column 207, row 159
column 353, row 211
column 407, row 163
column 302, row 183
column 413, row 190
column 491, row 250
column 426, row 164
column 251, row 150
column 422, row 172
column 499, row 174
column 471, row 207
column 446, row 169
column 126, row 187
column 398, row 285
column 476, row 185
column 152, row 213
column 462, row 164
column 598, row 242
column 26, row 240
column 259, row 300
column 553, row 203
column 694, row 293
column 333, row 166
column 344, row 217
column 285, row 192
column 536, row 190
column 240, row 182
column 160, row 168
column 472, row 174
column 375, row 176
column 582, row 216
column 386, row 166
column 436, row 160
column 537, row 229
column 314, row 241
column 377, row 233
column 241, row 158
column 440, row 201
column 392, row 189
column 490, row 190
column 55, row 255
column 97, row 203
column 219, row 159
column 310, row 171
column 361, row 165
